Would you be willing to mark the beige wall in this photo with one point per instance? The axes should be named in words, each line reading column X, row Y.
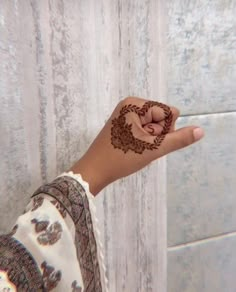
column 64, row 65
column 201, row 182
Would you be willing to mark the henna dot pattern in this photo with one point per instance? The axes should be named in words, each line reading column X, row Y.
column 121, row 132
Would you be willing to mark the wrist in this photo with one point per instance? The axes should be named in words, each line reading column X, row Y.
column 91, row 174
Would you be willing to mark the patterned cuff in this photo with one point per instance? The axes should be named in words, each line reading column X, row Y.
column 74, row 196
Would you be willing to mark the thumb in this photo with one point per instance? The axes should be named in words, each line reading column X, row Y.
column 181, row 138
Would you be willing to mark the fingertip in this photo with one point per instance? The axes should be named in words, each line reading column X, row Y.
column 198, row 134
column 182, row 137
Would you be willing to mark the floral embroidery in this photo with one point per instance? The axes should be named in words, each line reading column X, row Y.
column 19, row 265
column 75, row 287
column 5, row 284
column 37, row 202
column 17, row 262
column 40, row 225
column 14, row 229
column 59, row 207
column 50, row 276
column 51, row 233
column 71, row 194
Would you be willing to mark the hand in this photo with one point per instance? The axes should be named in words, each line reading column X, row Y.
column 138, row 132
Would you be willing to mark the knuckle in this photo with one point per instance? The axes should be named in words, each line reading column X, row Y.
column 175, row 111
column 128, row 99
column 124, row 101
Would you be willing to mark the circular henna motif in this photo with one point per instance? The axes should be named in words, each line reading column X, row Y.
column 121, row 132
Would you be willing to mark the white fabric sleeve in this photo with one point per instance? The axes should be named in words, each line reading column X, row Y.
column 55, row 244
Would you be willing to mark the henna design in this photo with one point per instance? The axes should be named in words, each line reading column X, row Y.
column 150, row 127
column 121, row 132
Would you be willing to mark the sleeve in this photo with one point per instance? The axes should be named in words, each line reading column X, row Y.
column 55, row 244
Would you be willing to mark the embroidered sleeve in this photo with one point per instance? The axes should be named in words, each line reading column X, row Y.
column 54, row 244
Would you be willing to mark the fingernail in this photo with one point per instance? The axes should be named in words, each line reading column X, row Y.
column 198, row 134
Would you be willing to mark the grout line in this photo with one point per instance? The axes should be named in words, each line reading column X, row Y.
column 206, row 114
column 202, row 241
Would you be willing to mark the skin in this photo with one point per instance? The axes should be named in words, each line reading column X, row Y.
column 109, row 158
column 122, row 135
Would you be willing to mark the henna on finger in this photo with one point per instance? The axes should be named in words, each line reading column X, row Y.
column 152, row 131
column 121, row 132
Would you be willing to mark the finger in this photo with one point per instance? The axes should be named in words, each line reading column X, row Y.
column 158, row 113
column 175, row 115
column 181, row 138
column 154, row 114
column 175, row 140
column 154, row 129
column 175, row 112
column 162, row 118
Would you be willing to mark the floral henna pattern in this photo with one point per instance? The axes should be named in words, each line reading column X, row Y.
column 121, row 132
column 151, row 129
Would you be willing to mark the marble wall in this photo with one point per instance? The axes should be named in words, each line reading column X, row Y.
column 64, row 65
column 201, row 46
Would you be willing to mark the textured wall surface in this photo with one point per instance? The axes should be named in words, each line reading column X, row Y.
column 201, row 55
column 201, row 179
column 64, row 65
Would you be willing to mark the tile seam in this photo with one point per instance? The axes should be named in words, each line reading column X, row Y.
column 207, row 114
column 202, row 241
